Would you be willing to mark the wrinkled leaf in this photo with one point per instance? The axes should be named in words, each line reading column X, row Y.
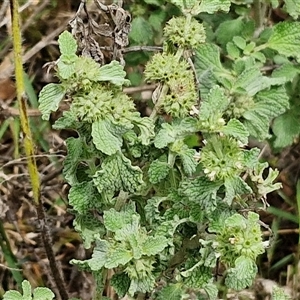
column 106, row 137
column 114, row 73
column 67, row 43
column 286, row 38
column 118, row 173
column 242, row 275
column 49, row 99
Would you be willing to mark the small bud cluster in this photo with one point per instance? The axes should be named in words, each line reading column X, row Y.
column 180, row 80
column 99, row 102
column 184, row 34
column 213, row 124
column 239, row 104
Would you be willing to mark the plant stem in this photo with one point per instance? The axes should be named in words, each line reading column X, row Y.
column 259, row 13
column 21, row 98
column 260, row 47
column 29, row 149
column 47, row 242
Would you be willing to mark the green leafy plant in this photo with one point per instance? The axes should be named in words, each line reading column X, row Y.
column 39, row 293
column 163, row 199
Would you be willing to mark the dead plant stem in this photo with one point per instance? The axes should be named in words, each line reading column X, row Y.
column 29, row 149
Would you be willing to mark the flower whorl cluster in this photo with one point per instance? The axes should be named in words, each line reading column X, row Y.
column 239, row 104
column 222, row 158
column 185, row 33
column 180, row 80
column 100, row 102
column 240, row 237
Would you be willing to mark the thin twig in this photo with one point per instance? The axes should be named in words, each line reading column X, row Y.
column 138, row 89
column 142, row 48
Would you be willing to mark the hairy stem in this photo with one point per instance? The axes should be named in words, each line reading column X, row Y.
column 29, row 148
column 21, row 98
column 259, row 11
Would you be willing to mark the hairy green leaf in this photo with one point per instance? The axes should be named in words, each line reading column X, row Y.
column 42, row 293
column 268, row 104
column 117, row 256
column 213, row 106
column 39, row 293
column 232, row 50
column 165, row 136
column 154, row 245
column 293, row 8
column 171, row 292
column 252, row 81
column 239, row 42
column 235, row 187
column 49, row 99
column 197, row 276
column 218, row 217
column 196, row 212
column 251, row 158
column 229, row 29
column 141, row 31
column 157, row 18
column 146, row 127
column 188, row 159
column 237, row 130
column 287, row 70
column 242, row 275
column 130, row 230
column 184, row 5
column 99, row 256
column 26, row 287
column 89, row 227
column 82, row 197
column 212, row 6
column 115, row 220
column 120, row 283
column 286, row 128
column 143, row 285
column 118, row 173
column 67, row 43
column 13, row 295
column 158, row 170
column 106, row 137
column 211, row 290
column 265, row 185
column 207, row 56
column 114, row 73
column 152, row 209
column 75, row 148
column 68, row 120
column 209, row 69
column 286, row 38
column 201, row 190
column 178, row 129
column 66, row 66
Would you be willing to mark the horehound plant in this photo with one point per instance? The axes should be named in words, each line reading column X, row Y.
column 167, row 201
